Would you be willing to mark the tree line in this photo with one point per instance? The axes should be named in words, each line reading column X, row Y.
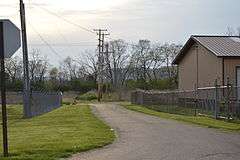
column 143, row 65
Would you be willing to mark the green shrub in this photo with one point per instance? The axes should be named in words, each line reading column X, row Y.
column 66, row 103
column 141, row 84
column 87, row 96
column 82, row 86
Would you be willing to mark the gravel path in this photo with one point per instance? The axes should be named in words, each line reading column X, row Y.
column 143, row 137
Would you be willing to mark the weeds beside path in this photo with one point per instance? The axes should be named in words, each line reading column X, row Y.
column 199, row 120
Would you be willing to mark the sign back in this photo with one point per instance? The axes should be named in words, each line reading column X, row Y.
column 11, row 38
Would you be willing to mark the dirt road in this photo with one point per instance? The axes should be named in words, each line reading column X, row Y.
column 143, row 137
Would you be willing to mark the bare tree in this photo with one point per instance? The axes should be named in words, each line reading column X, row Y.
column 238, row 31
column 169, row 53
column 157, row 60
column 141, row 60
column 89, row 61
column 232, row 32
column 38, row 66
column 69, row 68
column 14, row 68
column 117, row 62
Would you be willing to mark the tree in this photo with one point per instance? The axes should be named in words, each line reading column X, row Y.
column 230, row 31
column 117, row 61
column 89, row 63
column 141, row 60
column 69, row 68
column 238, row 31
column 38, row 67
column 53, row 73
column 169, row 52
column 233, row 32
column 158, row 60
column 14, row 68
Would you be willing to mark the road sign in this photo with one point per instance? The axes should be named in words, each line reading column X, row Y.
column 11, row 38
column 9, row 44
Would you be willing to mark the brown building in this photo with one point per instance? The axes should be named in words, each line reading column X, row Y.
column 203, row 59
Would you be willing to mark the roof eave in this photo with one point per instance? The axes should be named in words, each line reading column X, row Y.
column 181, row 53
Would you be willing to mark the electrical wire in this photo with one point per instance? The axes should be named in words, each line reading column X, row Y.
column 64, row 19
column 44, row 41
column 75, row 24
column 63, row 44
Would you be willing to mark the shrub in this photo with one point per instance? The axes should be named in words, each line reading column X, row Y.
column 66, row 103
column 87, row 96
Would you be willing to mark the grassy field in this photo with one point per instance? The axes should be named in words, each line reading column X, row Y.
column 55, row 135
column 199, row 120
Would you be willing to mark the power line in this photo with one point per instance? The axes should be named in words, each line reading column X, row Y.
column 75, row 24
column 64, row 19
column 63, row 44
column 44, row 41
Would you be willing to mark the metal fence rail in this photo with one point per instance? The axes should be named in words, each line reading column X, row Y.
column 218, row 101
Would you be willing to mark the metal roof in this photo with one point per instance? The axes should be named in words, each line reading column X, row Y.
column 221, row 46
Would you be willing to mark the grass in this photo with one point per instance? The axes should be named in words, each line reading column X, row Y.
column 199, row 120
column 55, row 135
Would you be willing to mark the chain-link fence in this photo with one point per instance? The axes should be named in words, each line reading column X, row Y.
column 218, row 101
column 13, row 97
column 41, row 102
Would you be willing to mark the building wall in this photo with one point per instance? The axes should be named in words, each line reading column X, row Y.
column 210, row 68
column 199, row 68
column 230, row 65
column 187, row 71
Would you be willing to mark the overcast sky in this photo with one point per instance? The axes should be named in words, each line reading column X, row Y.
column 131, row 20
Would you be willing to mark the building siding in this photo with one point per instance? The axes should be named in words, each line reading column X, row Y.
column 230, row 65
column 210, row 68
column 204, row 73
column 187, row 70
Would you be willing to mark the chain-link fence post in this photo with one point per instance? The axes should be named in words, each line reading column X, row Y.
column 196, row 99
column 228, row 98
column 216, row 100
column 184, row 99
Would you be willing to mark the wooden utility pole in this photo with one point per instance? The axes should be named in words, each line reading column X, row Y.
column 101, row 35
column 108, row 62
column 3, row 94
column 26, row 92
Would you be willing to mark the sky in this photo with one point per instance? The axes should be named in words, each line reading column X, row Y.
column 157, row 20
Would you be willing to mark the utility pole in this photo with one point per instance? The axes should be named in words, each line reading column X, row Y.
column 26, row 92
column 101, row 35
column 3, row 94
column 108, row 62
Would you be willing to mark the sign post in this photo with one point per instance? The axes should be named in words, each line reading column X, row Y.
column 9, row 44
